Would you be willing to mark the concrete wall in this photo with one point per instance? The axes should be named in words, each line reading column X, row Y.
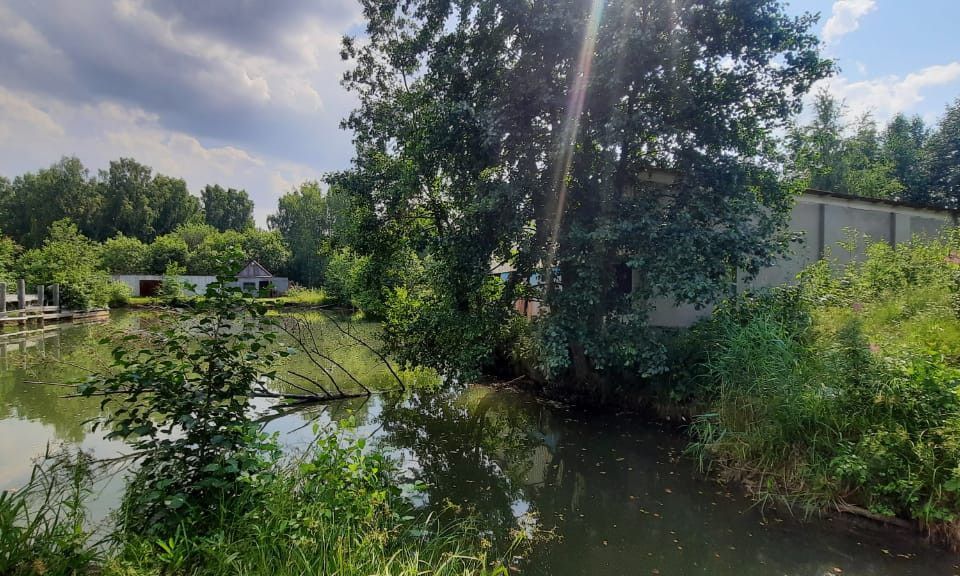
column 824, row 219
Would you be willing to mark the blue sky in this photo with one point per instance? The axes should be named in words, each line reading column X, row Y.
column 247, row 94
column 894, row 55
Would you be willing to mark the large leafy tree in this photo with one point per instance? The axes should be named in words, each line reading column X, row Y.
column 35, row 200
column 903, row 144
column 174, row 204
column 305, row 218
column 128, row 197
column 227, row 208
column 587, row 142
column 943, row 160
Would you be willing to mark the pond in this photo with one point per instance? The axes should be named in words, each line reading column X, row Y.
column 609, row 493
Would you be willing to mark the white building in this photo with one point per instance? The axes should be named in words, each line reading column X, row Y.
column 253, row 278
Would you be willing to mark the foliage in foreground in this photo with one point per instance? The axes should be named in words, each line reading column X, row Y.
column 212, row 495
column 845, row 390
column 334, row 510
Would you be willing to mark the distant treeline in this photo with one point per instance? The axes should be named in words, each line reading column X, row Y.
column 904, row 160
column 128, row 219
column 127, row 198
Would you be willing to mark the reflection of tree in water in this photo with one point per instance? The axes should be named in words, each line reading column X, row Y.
column 471, row 449
column 64, row 358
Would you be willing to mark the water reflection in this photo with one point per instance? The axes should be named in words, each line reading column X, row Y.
column 613, row 490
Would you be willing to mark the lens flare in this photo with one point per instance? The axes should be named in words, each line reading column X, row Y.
column 569, row 131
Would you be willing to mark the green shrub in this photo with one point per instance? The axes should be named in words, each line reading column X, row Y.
column 171, row 284
column 337, row 510
column 71, row 260
column 118, row 295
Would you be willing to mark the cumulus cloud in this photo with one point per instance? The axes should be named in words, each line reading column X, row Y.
column 845, row 18
column 262, row 75
column 885, row 96
column 36, row 131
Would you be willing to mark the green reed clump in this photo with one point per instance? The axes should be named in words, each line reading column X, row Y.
column 844, row 390
column 43, row 524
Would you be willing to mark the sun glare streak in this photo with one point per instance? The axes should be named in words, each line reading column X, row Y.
column 570, row 129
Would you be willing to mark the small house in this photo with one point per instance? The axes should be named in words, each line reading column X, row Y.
column 255, row 278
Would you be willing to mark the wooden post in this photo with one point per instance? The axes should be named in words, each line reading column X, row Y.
column 55, row 294
column 40, row 298
column 21, row 294
column 3, row 299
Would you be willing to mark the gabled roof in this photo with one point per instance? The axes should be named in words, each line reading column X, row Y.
column 254, row 269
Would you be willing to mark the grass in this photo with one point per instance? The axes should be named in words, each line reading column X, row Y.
column 334, row 510
column 296, row 297
column 844, row 391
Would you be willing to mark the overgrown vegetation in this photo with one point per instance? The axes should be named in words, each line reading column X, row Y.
column 212, row 495
column 844, row 390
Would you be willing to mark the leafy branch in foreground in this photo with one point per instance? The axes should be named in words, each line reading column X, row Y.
column 182, row 398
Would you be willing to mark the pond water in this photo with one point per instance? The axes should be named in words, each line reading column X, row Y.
column 610, row 493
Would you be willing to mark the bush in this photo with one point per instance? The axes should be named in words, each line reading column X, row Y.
column 71, row 260
column 118, row 295
column 171, row 285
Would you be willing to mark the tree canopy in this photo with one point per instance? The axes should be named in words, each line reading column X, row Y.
column 227, row 208
column 127, row 198
column 589, row 145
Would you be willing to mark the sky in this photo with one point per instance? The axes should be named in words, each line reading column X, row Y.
column 246, row 93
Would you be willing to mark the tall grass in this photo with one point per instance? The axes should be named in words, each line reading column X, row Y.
column 843, row 391
column 43, row 524
column 336, row 512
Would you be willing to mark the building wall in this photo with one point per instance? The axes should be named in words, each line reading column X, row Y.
column 824, row 220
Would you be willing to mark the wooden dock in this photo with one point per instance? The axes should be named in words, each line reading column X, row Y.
column 29, row 313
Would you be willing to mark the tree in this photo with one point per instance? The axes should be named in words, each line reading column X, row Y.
column 69, row 259
column 129, row 205
column 305, row 221
column 227, row 209
column 34, row 201
column 867, row 171
column 8, row 254
column 175, row 205
column 640, row 150
column 267, row 248
column 943, row 159
column 903, row 143
column 125, row 255
column 166, row 250
column 829, row 154
column 817, row 149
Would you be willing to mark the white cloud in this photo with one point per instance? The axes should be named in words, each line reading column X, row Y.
column 845, row 18
column 35, row 130
column 885, row 96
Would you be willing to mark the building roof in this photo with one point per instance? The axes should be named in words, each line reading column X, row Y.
column 254, row 269
column 884, row 201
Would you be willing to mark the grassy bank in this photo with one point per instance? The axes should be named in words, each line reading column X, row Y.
column 296, row 298
column 842, row 392
column 336, row 510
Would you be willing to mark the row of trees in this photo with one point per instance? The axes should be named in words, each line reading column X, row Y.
column 127, row 198
column 193, row 248
column 903, row 160
column 82, row 266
